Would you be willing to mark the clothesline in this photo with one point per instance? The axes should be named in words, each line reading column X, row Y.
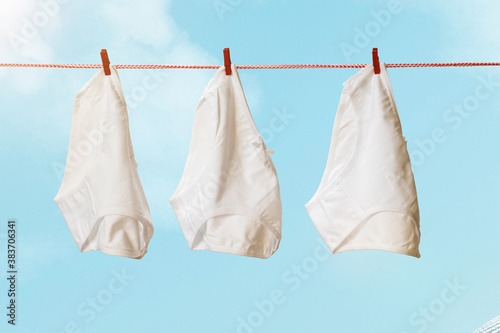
column 300, row 66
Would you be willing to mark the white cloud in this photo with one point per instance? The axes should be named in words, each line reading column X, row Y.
column 469, row 29
column 476, row 25
column 147, row 22
column 22, row 26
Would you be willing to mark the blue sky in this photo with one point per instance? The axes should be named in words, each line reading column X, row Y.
column 453, row 287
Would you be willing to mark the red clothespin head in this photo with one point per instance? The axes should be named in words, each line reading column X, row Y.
column 105, row 62
column 227, row 61
column 376, row 64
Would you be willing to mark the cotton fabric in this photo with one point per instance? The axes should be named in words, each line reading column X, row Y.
column 228, row 199
column 367, row 197
column 101, row 196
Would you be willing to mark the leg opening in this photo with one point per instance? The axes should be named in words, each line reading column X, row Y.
column 386, row 231
column 239, row 234
column 118, row 235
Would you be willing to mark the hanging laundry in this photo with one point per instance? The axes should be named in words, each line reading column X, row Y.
column 367, row 197
column 101, row 196
column 228, row 199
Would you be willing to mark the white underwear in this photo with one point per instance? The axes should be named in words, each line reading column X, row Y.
column 228, row 199
column 367, row 197
column 101, row 196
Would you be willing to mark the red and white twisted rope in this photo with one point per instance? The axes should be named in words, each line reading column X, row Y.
column 451, row 64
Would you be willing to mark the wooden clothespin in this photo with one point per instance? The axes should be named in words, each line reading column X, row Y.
column 376, row 64
column 105, row 62
column 227, row 61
